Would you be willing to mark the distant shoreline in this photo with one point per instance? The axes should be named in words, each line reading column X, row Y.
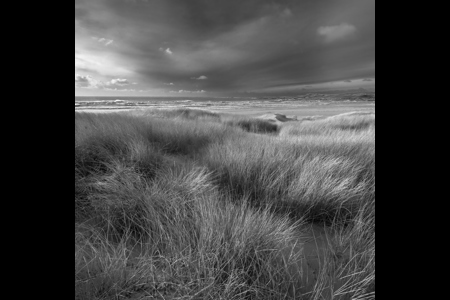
column 300, row 109
column 308, row 100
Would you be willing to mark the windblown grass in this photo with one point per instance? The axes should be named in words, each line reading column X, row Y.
column 193, row 205
column 200, row 244
column 313, row 176
column 354, row 123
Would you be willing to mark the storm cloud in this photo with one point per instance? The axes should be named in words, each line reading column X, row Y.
column 223, row 47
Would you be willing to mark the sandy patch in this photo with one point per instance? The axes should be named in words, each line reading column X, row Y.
column 278, row 118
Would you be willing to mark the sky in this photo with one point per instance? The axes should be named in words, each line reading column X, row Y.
column 222, row 47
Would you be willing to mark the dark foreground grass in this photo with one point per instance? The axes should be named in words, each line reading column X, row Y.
column 254, row 125
column 190, row 205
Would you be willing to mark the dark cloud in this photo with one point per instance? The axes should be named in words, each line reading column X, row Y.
column 235, row 44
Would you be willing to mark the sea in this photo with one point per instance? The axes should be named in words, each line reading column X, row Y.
column 159, row 99
column 100, row 102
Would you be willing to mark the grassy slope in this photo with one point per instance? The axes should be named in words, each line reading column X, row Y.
column 187, row 204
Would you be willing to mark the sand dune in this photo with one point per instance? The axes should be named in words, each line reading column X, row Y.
column 354, row 113
column 278, row 118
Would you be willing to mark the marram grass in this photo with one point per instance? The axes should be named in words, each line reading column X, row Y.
column 187, row 204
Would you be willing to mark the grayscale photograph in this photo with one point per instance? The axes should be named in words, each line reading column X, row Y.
column 224, row 149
